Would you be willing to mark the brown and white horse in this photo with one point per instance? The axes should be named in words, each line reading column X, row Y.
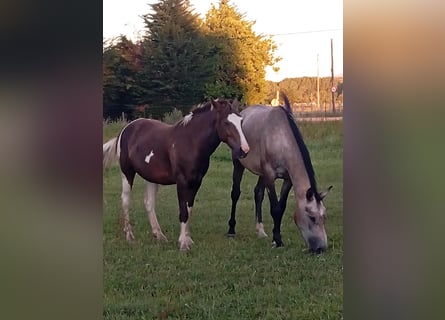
column 277, row 150
column 174, row 154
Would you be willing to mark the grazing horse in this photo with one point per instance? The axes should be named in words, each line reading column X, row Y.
column 174, row 154
column 277, row 150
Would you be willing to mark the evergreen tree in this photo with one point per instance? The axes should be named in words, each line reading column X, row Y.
column 120, row 65
column 242, row 55
column 177, row 61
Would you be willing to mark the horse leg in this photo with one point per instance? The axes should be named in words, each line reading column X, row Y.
column 285, row 188
column 186, row 198
column 275, row 212
column 127, row 183
column 238, row 170
column 150, row 203
column 259, row 197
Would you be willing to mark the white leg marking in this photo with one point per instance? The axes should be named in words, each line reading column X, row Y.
column 126, row 203
column 150, row 203
column 185, row 241
column 236, row 120
column 148, row 157
column 260, row 230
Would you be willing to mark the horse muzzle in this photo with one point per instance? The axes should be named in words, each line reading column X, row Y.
column 239, row 153
column 316, row 246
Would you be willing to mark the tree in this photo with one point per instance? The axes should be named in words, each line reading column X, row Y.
column 242, row 56
column 120, row 65
column 177, row 59
column 304, row 90
column 339, row 89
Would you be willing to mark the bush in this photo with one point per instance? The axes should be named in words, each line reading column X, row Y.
column 172, row 117
column 112, row 128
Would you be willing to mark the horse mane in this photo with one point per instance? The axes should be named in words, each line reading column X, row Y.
column 200, row 108
column 302, row 146
column 206, row 106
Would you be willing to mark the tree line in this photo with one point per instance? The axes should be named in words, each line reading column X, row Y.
column 304, row 90
column 182, row 60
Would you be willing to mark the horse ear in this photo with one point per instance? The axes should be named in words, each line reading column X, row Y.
column 309, row 194
column 325, row 193
column 235, row 104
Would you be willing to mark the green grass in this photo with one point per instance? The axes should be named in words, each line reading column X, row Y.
column 224, row 278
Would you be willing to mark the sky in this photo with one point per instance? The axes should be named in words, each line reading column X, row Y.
column 298, row 28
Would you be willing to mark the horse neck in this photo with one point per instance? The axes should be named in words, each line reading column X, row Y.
column 206, row 137
column 299, row 177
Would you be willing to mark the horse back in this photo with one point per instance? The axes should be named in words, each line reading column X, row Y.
column 145, row 148
column 270, row 139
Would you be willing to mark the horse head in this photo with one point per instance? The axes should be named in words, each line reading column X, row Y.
column 310, row 218
column 228, row 126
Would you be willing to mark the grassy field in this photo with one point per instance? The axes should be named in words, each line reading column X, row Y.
column 221, row 277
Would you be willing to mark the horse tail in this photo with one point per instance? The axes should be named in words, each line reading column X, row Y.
column 110, row 152
column 301, row 145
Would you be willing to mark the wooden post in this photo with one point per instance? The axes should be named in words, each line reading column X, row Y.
column 318, row 87
column 332, row 77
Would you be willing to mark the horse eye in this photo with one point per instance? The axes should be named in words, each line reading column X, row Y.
column 312, row 219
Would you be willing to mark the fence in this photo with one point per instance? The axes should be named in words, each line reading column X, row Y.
column 311, row 112
column 301, row 111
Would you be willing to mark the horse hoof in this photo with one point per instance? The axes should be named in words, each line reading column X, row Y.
column 231, row 235
column 262, row 235
column 278, row 244
column 130, row 237
column 184, row 247
column 161, row 237
column 185, row 244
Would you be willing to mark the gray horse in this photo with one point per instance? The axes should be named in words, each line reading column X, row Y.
column 277, row 150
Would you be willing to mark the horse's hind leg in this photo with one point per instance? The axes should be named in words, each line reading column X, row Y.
column 259, row 197
column 150, row 203
column 238, row 171
column 127, row 183
column 275, row 211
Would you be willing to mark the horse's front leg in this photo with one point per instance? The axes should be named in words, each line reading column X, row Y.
column 186, row 197
column 238, row 171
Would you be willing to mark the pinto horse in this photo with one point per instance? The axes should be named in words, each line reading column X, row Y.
column 277, row 150
column 174, row 154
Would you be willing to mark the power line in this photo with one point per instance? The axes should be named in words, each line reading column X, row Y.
column 303, row 32
column 252, row 36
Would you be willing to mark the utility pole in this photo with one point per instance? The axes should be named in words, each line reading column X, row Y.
column 318, row 86
column 332, row 78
